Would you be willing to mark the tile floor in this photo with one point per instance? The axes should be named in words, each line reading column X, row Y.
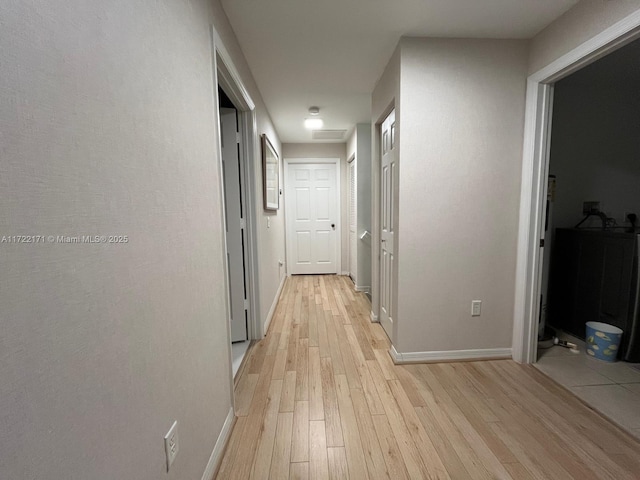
column 611, row 388
column 238, row 350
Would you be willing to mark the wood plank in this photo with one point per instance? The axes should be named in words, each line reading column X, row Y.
column 244, row 393
column 299, row 471
column 316, row 405
column 446, row 447
column 282, row 448
column 337, row 458
column 302, row 370
column 368, row 437
column 313, row 321
column 318, row 462
column 300, row 447
column 390, row 449
column 231, row 451
column 479, row 451
column 364, row 380
column 280, row 365
column 330, row 403
column 408, row 448
column 267, row 434
column 517, row 471
column 323, row 340
column 287, row 400
column 427, row 450
column 474, row 412
column 386, row 364
column 334, row 346
column 353, row 445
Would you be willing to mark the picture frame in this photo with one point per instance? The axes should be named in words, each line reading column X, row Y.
column 270, row 175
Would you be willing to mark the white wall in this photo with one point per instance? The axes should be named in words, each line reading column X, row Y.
column 461, row 115
column 108, row 127
column 576, row 26
column 595, row 151
column 329, row 150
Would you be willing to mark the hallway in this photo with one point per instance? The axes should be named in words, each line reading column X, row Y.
column 319, row 397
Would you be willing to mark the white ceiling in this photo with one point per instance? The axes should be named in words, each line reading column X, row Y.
column 330, row 53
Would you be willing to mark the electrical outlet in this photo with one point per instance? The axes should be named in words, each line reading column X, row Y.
column 476, row 307
column 171, row 445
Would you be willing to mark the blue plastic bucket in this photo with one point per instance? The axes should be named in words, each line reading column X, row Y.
column 603, row 341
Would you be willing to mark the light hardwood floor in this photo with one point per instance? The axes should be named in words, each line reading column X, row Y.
column 319, row 397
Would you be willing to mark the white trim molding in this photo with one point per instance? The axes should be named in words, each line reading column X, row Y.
column 448, row 355
column 374, row 317
column 534, row 175
column 274, row 305
column 362, row 288
column 218, row 449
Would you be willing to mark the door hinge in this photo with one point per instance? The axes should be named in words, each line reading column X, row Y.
column 243, row 224
column 541, row 242
column 238, row 137
column 246, row 304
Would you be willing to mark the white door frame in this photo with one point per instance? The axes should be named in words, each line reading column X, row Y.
column 352, row 161
column 335, row 161
column 535, row 171
column 228, row 78
column 376, row 198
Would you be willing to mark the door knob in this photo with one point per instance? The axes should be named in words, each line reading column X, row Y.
column 333, row 225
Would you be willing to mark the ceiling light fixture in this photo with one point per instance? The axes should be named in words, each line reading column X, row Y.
column 313, row 123
column 314, row 111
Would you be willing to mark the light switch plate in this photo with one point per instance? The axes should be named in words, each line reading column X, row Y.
column 476, row 307
column 171, row 445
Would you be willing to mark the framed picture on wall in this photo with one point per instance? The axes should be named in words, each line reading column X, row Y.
column 270, row 175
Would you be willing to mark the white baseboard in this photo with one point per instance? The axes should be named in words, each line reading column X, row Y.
column 345, row 274
column 272, row 310
column 448, row 355
column 374, row 317
column 360, row 288
column 218, row 449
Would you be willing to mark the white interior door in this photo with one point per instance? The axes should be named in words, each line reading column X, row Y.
column 353, row 221
column 235, row 223
column 388, row 221
column 312, row 217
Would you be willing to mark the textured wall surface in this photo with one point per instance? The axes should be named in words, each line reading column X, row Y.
column 462, row 115
column 107, row 128
column 576, row 26
column 594, row 138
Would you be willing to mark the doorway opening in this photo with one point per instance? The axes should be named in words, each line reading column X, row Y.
column 234, row 194
column 353, row 219
column 387, row 225
column 535, row 173
column 237, row 128
column 590, row 254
